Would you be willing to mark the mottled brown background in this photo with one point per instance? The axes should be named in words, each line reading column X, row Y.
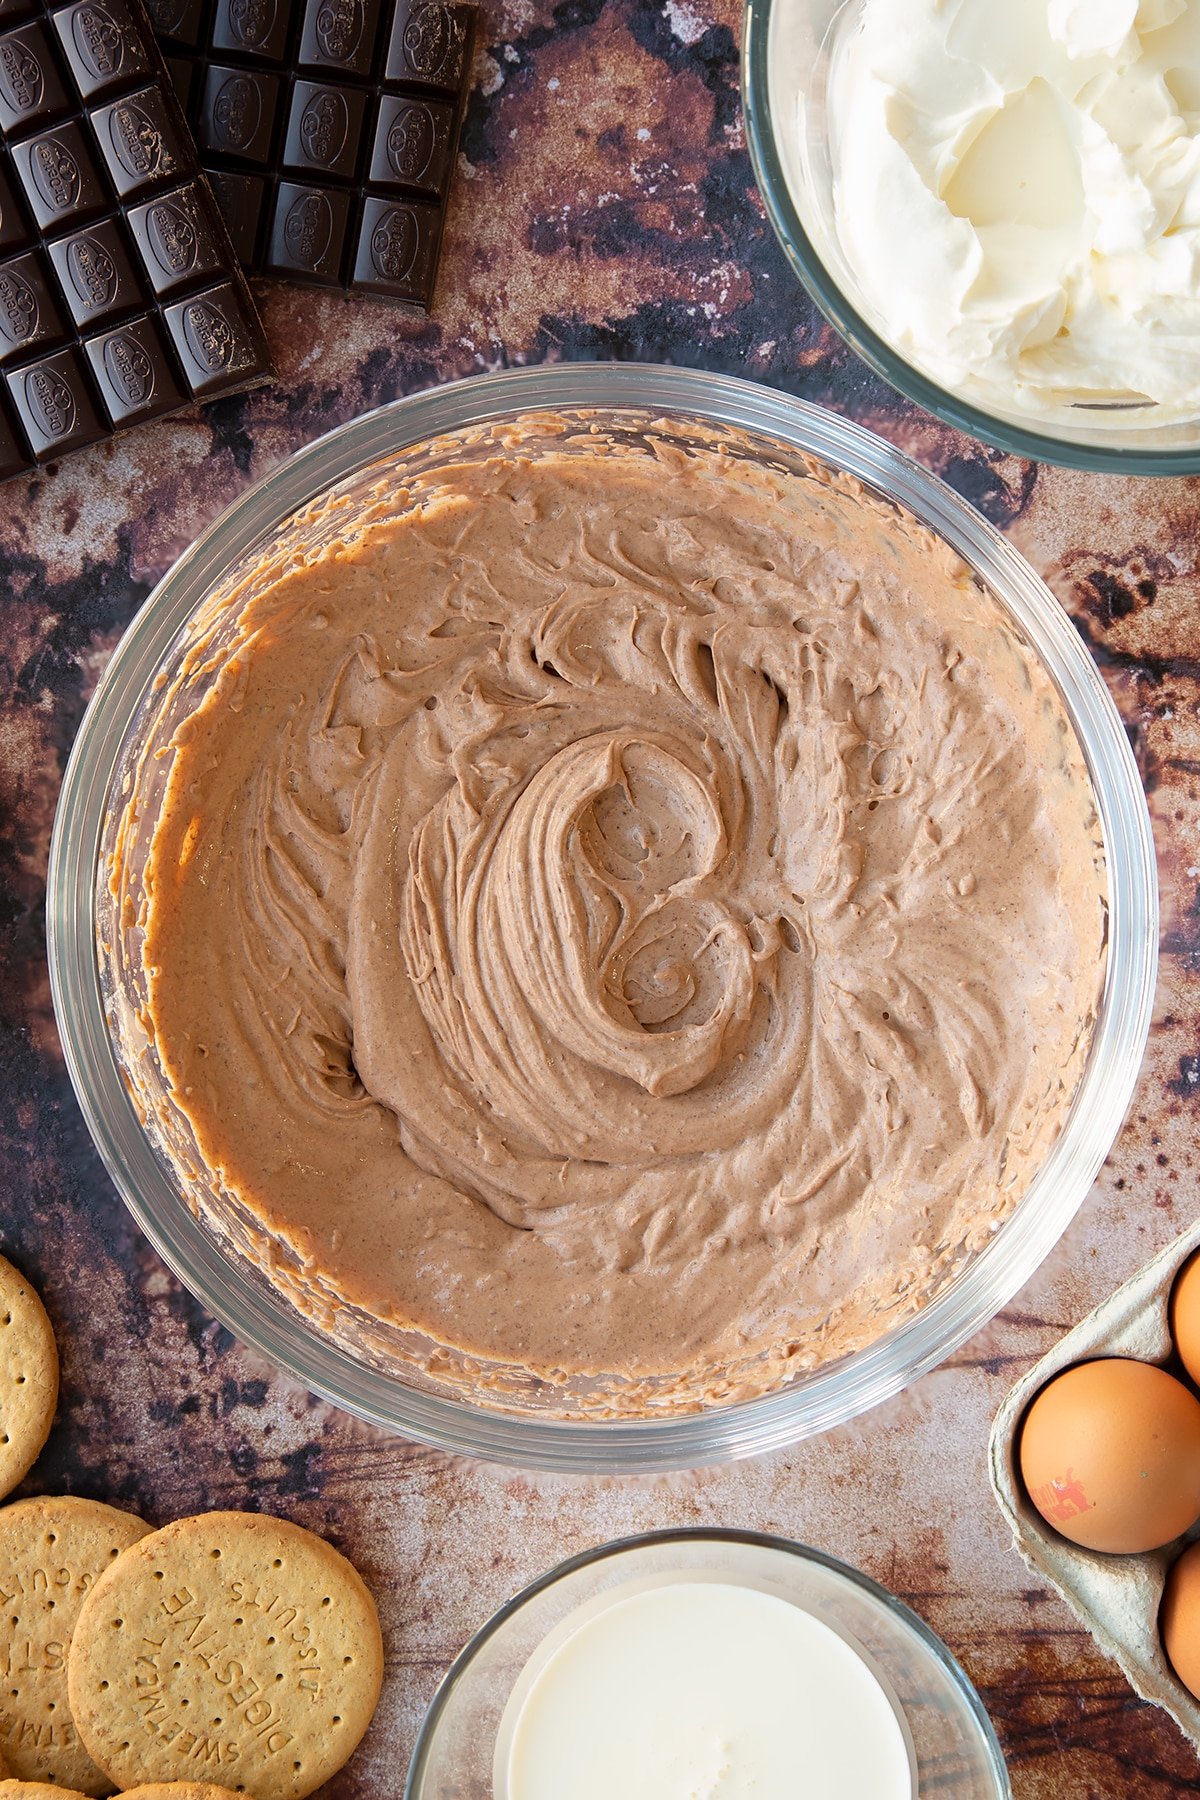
column 605, row 209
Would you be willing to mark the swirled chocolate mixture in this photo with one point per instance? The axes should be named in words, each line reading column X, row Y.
column 625, row 916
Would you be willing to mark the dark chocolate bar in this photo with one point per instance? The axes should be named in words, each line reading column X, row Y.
column 120, row 293
column 328, row 129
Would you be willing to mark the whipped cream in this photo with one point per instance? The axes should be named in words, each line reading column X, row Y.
column 1017, row 193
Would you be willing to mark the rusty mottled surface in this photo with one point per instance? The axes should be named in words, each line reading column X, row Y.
column 606, row 208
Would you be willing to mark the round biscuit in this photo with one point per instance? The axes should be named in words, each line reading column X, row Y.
column 179, row 1790
column 37, row 1790
column 28, row 1377
column 51, row 1552
column 233, row 1646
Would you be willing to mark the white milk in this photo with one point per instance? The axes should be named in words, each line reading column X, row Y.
column 700, row 1690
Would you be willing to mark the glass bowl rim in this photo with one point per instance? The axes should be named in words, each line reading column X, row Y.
column 807, row 263
column 762, row 1540
column 265, row 1321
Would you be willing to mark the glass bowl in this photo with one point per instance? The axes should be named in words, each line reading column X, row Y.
column 113, row 735
column 953, row 1746
column 785, row 64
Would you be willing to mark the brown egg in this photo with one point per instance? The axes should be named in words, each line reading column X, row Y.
column 1185, row 1316
column 1179, row 1619
column 1110, row 1455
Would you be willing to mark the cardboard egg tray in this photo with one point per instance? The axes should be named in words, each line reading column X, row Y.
column 1117, row 1597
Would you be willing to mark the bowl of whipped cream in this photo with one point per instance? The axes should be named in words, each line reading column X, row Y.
column 998, row 207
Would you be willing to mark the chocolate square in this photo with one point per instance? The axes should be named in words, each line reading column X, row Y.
column 54, row 402
column 242, row 200
column 13, row 228
column 103, row 46
column 340, row 34
column 237, row 118
column 96, row 273
column 13, row 455
column 251, row 27
column 177, row 238
column 216, row 339
column 397, row 250
column 413, row 140
column 324, row 129
column 32, row 90
column 178, row 21
column 309, row 232
column 185, row 77
column 59, row 177
column 134, row 372
column 142, row 143
column 29, row 315
column 428, row 45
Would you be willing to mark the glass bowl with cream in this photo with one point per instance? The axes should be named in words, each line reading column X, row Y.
column 705, row 1662
column 999, row 208
column 603, row 918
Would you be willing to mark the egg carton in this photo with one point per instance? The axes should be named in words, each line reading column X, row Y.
column 1116, row 1597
